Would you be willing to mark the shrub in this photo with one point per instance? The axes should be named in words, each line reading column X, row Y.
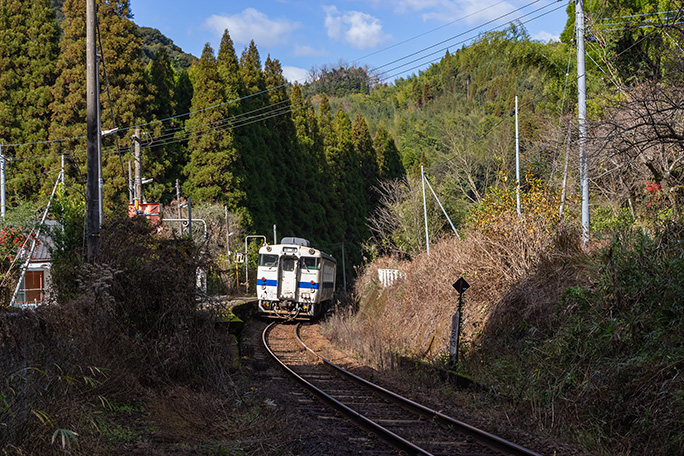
column 132, row 324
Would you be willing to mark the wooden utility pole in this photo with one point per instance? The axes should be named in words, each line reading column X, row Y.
column 93, row 135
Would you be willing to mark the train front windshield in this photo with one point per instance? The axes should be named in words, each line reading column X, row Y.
column 288, row 264
column 267, row 260
column 310, row 262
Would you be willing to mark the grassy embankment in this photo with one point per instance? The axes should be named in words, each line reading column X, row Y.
column 586, row 346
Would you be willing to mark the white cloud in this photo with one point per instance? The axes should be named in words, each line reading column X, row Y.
column 359, row 29
column 545, row 37
column 252, row 24
column 304, row 50
column 294, row 74
column 471, row 11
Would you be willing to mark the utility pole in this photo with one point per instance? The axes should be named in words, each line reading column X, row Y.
column 582, row 118
column 2, row 184
column 517, row 159
column 130, row 183
column 93, row 134
column 137, row 198
column 427, row 233
column 100, row 179
column 62, row 163
column 178, row 205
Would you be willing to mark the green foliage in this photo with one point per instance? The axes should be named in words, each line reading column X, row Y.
column 636, row 40
column 28, row 51
column 122, row 92
column 210, row 170
column 155, row 42
column 538, row 205
column 340, row 81
column 607, row 364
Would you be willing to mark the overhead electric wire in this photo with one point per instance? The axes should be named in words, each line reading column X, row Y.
column 546, row 95
column 243, row 119
column 169, row 137
column 123, row 129
column 461, row 34
column 464, row 41
column 429, row 31
column 654, row 14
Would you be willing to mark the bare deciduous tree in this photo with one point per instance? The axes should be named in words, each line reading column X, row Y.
column 642, row 139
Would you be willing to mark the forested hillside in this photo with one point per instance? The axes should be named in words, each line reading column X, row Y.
column 321, row 160
column 579, row 336
column 230, row 129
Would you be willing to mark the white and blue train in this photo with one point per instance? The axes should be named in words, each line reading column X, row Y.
column 294, row 281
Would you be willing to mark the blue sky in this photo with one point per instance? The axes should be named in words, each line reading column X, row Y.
column 398, row 38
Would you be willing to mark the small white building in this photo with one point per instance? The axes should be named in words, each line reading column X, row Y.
column 35, row 282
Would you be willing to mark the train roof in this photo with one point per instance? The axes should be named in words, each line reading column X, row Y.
column 295, row 241
column 284, row 245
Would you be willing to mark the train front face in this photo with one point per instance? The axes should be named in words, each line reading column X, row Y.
column 288, row 281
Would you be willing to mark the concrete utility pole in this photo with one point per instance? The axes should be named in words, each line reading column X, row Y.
column 100, row 179
column 582, row 118
column 517, row 159
column 2, row 184
column 427, row 233
column 137, row 196
column 130, row 183
column 93, row 134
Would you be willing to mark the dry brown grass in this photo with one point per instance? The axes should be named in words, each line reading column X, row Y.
column 413, row 317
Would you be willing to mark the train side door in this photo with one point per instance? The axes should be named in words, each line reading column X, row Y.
column 288, row 278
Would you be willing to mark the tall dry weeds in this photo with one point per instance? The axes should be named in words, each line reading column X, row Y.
column 133, row 326
column 413, row 317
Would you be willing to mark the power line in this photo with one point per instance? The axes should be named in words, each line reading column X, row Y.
column 460, row 34
column 439, row 51
column 430, row 31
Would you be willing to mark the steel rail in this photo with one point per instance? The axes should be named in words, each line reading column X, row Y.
column 385, row 434
column 485, row 438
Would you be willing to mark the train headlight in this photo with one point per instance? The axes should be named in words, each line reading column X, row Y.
column 268, row 248
column 311, row 251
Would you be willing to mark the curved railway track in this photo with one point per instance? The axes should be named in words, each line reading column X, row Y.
column 406, row 425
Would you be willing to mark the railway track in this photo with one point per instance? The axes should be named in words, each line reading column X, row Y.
column 406, row 425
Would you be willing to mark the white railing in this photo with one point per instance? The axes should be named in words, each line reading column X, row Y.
column 389, row 277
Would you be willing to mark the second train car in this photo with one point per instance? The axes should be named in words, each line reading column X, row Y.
column 294, row 280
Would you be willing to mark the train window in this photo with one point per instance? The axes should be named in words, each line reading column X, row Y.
column 311, row 262
column 268, row 261
column 288, row 264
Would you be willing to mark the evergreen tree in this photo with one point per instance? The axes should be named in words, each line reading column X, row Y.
column 347, row 182
column 121, row 89
column 313, row 174
column 363, row 147
column 325, row 120
column 258, row 160
column 182, row 95
column 28, row 49
column 210, row 171
column 286, row 154
column 162, row 155
column 229, row 70
column 389, row 161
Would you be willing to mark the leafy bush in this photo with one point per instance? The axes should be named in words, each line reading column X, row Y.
column 132, row 324
column 608, row 363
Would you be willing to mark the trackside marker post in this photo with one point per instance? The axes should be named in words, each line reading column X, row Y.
column 460, row 286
